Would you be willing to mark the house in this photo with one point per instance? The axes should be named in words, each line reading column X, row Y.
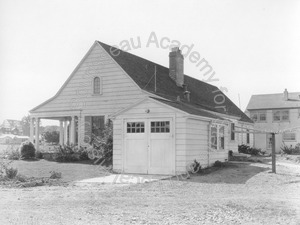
column 162, row 119
column 12, row 139
column 278, row 113
column 11, row 127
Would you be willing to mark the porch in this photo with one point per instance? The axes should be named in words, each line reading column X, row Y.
column 70, row 128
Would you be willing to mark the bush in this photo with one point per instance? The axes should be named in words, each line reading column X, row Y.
column 218, row 164
column 3, row 166
column 27, row 150
column 11, row 172
column 51, row 136
column 14, row 154
column 55, row 175
column 290, row 150
column 248, row 150
column 195, row 167
column 102, row 147
column 39, row 155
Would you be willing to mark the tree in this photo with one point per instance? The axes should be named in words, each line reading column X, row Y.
column 51, row 136
column 25, row 123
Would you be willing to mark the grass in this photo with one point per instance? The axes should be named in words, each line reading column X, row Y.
column 69, row 171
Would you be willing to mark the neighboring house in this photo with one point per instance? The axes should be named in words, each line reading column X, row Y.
column 12, row 139
column 11, row 127
column 162, row 119
column 275, row 113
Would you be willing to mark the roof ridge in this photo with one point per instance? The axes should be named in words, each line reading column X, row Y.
column 164, row 67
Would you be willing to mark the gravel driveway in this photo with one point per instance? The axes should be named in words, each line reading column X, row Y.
column 242, row 194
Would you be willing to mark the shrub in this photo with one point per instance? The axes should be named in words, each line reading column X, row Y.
column 230, row 153
column 55, row 175
column 39, row 155
column 248, row 150
column 218, row 164
column 11, row 172
column 27, row 150
column 4, row 164
column 290, row 150
column 195, row 167
column 51, row 136
column 14, row 154
column 102, row 147
column 21, row 178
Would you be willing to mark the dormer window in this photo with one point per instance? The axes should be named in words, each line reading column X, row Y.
column 97, row 86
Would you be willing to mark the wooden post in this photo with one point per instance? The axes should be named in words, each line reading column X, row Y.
column 31, row 129
column 273, row 154
column 37, row 133
column 61, row 132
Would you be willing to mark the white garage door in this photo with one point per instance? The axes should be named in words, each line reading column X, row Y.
column 148, row 146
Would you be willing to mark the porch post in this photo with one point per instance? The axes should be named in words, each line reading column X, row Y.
column 65, row 132
column 61, row 133
column 79, row 130
column 31, row 129
column 72, row 131
column 37, row 133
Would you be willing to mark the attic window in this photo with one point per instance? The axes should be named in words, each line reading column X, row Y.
column 97, row 86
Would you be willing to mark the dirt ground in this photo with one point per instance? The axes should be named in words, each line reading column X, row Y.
column 243, row 193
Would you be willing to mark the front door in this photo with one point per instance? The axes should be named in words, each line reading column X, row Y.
column 149, row 146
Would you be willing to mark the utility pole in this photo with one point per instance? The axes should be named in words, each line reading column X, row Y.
column 273, row 154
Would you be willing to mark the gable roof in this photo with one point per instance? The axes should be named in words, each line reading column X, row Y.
column 274, row 101
column 202, row 94
column 12, row 124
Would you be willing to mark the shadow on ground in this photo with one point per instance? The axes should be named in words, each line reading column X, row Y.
column 233, row 173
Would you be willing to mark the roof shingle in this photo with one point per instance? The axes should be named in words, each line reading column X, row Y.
column 202, row 94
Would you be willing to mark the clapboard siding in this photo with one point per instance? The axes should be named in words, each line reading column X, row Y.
column 197, row 141
column 118, row 90
column 156, row 109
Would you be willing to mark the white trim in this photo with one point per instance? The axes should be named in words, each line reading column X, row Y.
column 67, row 81
column 101, row 86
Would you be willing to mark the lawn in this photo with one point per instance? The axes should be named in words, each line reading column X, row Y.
column 70, row 171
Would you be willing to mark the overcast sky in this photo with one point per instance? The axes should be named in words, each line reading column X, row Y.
column 253, row 46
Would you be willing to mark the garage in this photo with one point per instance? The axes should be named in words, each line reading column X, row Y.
column 148, row 146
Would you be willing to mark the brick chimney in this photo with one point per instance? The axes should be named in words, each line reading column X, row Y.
column 176, row 66
column 285, row 95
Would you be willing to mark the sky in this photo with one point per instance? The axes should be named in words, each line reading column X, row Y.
column 253, row 46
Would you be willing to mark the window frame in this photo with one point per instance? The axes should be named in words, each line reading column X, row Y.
column 291, row 140
column 218, row 143
column 232, row 132
column 137, row 126
column 100, row 86
column 258, row 115
column 160, row 127
column 280, row 115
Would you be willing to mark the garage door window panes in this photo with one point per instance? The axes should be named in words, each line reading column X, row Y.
column 160, row 127
column 135, row 127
